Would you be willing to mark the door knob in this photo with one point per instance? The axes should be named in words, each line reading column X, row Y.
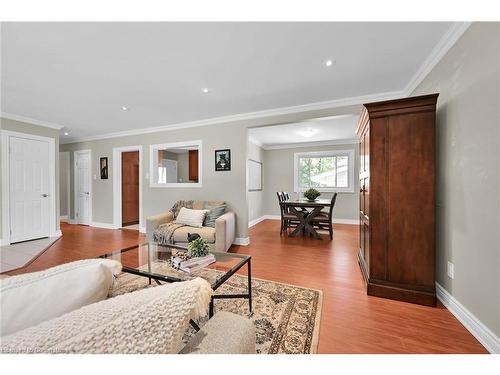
column 45, row 195
column 87, row 192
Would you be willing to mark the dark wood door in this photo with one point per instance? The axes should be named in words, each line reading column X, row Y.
column 130, row 188
column 193, row 165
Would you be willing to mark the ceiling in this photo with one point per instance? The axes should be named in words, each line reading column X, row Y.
column 327, row 129
column 80, row 75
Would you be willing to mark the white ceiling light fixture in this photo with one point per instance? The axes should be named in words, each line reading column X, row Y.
column 329, row 63
column 205, row 90
column 66, row 133
column 308, row 133
column 124, row 108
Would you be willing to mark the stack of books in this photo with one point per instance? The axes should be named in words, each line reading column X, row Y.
column 193, row 264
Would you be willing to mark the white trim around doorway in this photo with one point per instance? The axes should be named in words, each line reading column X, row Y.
column 66, row 217
column 117, row 186
column 75, row 185
column 5, row 173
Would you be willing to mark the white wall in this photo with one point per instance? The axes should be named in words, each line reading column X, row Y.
column 256, row 198
column 468, row 170
column 64, row 194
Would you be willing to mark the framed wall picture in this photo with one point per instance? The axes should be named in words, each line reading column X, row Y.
column 223, row 160
column 104, row 168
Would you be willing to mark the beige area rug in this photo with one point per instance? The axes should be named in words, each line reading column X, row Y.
column 286, row 317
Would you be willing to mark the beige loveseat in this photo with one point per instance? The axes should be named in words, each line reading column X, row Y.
column 220, row 238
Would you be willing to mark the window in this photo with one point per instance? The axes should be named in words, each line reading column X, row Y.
column 325, row 171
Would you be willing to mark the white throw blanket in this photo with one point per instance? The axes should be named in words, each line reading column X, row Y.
column 151, row 320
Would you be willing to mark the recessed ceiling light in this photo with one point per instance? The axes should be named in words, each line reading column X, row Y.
column 124, row 108
column 66, row 133
column 205, row 90
column 308, row 133
column 329, row 63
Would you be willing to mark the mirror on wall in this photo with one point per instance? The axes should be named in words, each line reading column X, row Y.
column 176, row 164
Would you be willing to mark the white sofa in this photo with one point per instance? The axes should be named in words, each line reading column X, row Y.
column 220, row 238
column 65, row 309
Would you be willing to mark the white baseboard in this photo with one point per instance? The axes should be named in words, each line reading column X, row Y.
column 346, row 221
column 142, row 229
column 102, row 225
column 63, row 218
column 278, row 217
column 72, row 221
column 242, row 241
column 58, row 233
column 482, row 333
column 253, row 222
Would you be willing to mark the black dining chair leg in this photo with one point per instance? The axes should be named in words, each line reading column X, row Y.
column 331, row 231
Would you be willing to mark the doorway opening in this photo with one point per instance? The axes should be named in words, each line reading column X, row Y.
column 127, row 188
column 130, row 190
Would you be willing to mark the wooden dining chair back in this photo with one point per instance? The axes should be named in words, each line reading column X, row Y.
column 282, row 210
column 324, row 221
column 334, row 199
column 287, row 219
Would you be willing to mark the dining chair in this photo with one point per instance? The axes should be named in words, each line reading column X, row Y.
column 324, row 219
column 288, row 220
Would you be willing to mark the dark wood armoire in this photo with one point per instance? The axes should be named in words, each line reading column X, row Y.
column 397, row 198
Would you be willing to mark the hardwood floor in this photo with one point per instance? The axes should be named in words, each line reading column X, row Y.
column 352, row 322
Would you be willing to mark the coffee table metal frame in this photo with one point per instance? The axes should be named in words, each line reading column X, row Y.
column 245, row 259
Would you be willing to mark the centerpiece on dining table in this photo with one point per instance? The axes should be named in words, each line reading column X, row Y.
column 311, row 194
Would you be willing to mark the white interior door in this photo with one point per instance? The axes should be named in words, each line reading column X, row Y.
column 29, row 189
column 82, row 184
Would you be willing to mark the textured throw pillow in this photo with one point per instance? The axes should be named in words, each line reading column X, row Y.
column 32, row 298
column 179, row 204
column 192, row 218
column 213, row 214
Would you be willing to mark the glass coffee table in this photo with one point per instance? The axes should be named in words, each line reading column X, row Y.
column 150, row 260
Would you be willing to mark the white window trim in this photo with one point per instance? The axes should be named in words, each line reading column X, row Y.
column 348, row 152
column 153, row 150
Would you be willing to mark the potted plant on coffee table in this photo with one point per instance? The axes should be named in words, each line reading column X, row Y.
column 198, row 248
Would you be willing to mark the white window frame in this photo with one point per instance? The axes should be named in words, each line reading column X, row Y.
column 350, row 173
column 153, row 153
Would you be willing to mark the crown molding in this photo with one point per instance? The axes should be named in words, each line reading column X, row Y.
column 254, row 141
column 248, row 116
column 29, row 120
column 311, row 144
column 438, row 52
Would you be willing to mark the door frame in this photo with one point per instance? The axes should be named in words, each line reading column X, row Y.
column 117, row 186
column 75, row 185
column 5, row 173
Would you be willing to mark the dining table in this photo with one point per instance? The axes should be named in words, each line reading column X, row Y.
column 305, row 210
